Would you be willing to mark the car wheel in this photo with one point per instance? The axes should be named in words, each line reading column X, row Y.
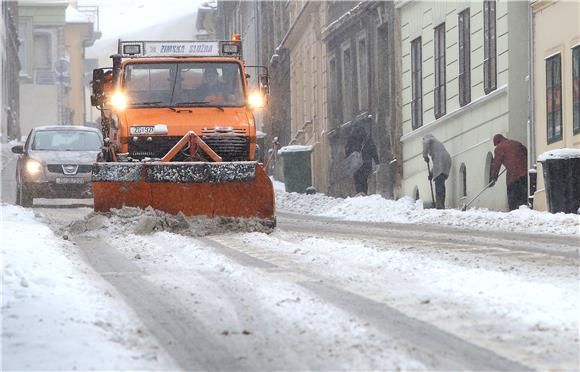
column 23, row 197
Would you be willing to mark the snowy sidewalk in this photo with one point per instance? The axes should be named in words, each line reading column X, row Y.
column 57, row 312
column 374, row 208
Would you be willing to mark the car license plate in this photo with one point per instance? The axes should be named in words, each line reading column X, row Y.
column 142, row 130
column 76, row 180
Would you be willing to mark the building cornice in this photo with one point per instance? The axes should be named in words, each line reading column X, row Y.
column 296, row 30
column 427, row 128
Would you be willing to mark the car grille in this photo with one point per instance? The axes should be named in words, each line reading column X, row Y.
column 57, row 168
column 229, row 147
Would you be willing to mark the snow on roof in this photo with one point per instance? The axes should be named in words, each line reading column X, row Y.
column 74, row 16
column 559, row 154
column 295, row 148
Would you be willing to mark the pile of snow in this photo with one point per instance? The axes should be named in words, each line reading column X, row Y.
column 374, row 208
column 147, row 221
column 57, row 312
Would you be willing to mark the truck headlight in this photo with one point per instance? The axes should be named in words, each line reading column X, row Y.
column 33, row 166
column 256, row 100
column 119, row 101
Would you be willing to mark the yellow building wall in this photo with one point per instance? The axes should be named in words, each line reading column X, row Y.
column 556, row 30
column 308, row 92
column 75, row 36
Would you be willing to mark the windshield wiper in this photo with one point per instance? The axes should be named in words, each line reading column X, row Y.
column 195, row 103
column 145, row 103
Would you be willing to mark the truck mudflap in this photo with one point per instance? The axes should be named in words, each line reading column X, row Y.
column 232, row 189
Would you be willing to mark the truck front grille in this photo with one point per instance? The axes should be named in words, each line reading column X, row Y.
column 229, row 147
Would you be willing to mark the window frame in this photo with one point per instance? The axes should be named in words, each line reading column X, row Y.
column 553, row 97
column 416, row 83
column 363, row 74
column 489, row 46
column 576, row 89
column 464, row 62
column 439, row 89
column 347, row 82
column 48, row 38
column 334, row 91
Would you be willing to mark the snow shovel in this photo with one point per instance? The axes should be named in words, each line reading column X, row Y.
column 464, row 208
column 431, row 184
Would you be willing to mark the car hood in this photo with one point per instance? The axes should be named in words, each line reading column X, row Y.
column 63, row 157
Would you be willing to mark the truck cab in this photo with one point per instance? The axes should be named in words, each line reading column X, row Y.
column 158, row 91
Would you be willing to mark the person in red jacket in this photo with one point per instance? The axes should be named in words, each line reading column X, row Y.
column 514, row 157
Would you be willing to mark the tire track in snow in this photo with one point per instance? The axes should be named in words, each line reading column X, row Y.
column 435, row 347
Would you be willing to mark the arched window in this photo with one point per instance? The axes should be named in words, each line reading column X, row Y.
column 487, row 174
column 416, row 193
column 463, row 180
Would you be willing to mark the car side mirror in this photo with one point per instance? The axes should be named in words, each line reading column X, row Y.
column 18, row 149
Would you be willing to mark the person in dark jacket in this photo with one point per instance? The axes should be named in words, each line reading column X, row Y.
column 441, row 166
column 514, row 157
column 360, row 141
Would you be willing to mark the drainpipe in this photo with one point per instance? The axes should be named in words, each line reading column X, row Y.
column 532, row 174
column 531, row 129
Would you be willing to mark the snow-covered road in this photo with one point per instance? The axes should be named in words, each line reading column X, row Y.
column 317, row 293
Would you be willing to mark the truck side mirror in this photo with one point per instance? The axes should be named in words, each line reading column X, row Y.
column 98, row 84
column 264, row 83
column 19, row 149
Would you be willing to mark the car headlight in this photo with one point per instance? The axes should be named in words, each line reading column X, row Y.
column 33, row 166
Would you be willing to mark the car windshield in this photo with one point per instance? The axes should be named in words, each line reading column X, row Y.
column 184, row 84
column 66, row 140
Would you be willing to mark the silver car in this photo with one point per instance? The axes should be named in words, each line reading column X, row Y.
column 56, row 162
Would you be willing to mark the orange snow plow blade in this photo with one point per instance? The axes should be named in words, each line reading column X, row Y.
column 228, row 189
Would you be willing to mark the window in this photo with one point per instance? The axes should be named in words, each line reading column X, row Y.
column 42, row 51
column 333, row 93
column 347, row 84
column 464, row 58
column 439, row 90
column 23, row 32
column 416, row 84
column 553, row 98
column 363, row 78
column 489, row 47
column 576, row 88
column 463, row 180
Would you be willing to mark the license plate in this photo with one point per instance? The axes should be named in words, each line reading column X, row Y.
column 76, row 180
column 142, row 130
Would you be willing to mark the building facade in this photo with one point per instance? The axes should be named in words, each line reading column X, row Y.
column 308, row 112
column 79, row 33
column 363, row 69
column 556, row 82
column 262, row 26
column 463, row 80
column 53, row 37
column 9, row 70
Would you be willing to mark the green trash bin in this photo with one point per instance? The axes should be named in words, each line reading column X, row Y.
column 297, row 167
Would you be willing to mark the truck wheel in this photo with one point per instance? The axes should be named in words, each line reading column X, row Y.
column 23, row 197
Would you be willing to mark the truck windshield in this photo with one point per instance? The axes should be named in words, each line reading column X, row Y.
column 183, row 84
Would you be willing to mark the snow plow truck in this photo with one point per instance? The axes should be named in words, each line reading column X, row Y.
column 179, row 129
